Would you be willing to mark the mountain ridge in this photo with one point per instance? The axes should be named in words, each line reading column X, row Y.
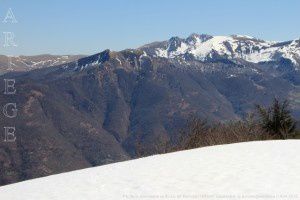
column 27, row 63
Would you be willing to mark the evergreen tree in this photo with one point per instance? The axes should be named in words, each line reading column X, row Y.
column 277, row 119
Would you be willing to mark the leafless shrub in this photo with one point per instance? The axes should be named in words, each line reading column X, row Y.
column 199, row 133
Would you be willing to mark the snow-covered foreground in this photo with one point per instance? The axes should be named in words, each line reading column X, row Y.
column 257, row 170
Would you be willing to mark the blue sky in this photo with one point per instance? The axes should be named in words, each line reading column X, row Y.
column 90, row 26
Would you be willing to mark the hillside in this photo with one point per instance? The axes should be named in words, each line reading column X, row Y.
column 257, row 169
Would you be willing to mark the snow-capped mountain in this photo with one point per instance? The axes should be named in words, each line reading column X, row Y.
column 205, row 47
column 263, row 170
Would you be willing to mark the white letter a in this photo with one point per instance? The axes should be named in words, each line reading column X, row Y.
column 10, row 16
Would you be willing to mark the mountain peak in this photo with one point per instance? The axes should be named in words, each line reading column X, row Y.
column 194, row 37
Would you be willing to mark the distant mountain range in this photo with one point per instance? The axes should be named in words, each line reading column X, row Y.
column 27, row 63
column 99, row 109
